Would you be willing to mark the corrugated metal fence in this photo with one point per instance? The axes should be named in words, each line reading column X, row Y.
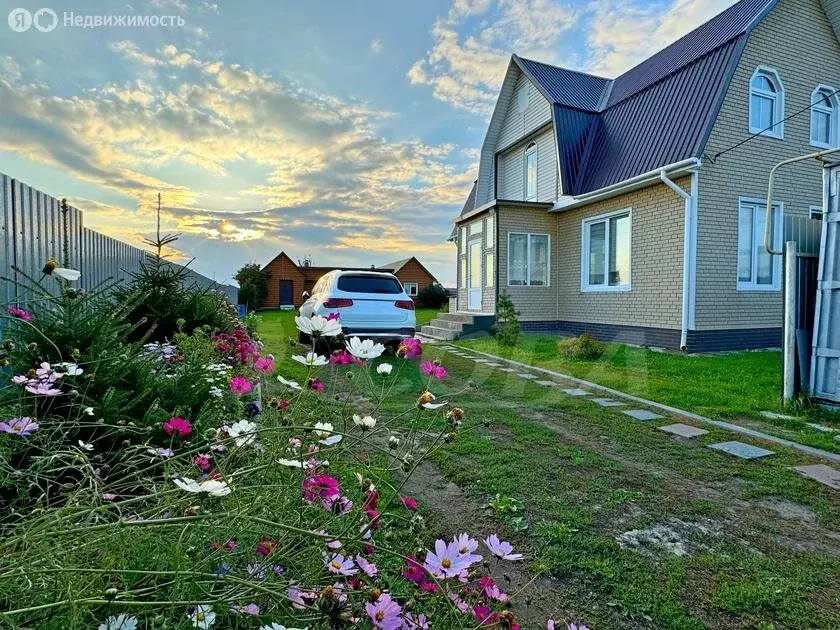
column 32, row 228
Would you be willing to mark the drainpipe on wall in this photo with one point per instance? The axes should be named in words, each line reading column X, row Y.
column 689, row 229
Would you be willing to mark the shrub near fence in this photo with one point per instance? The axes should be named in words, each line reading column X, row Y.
column 33, row 229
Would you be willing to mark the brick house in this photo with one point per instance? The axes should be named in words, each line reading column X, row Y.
column 287, row 280
column 628, row 208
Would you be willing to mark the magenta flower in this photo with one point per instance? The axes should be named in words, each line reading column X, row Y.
column 321, row 487
column 203, row 461
column 384, row 613
column 178, row 426
column 368, row 567
column 430, row 369
column 24, row 427
column 410, row 623
column 408, row 502
column 337, row 563
column 19, row 313
column 240, row 385
column 264, row 364
column 410, row 348
column 490, row 589
column 445, row 561
column 413, row 571
column 501, row 549
column 341, row 357
column 316, row 384
column 333, row 316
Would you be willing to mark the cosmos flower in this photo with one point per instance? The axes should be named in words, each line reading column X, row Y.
column 119, row 622
column 366, row 422
column 445, row 561
column 177, row 426
column 384, row 613
column 240, row 385
column 213, row 487
column 409, row 502
column 410, row 348
column 368, row 567
column 24, row 427
column 317, row 326
column 427, row 401
column 384, row 368
column 244, row 432
column 264, row 364
column 501, row 549
column 247, row 609
column 429, row 368
column 337, row 563
column 289, row 384
column 19, row 313
column 324, row 432
column 312, row 359
column 366, row 349
column 202, row 617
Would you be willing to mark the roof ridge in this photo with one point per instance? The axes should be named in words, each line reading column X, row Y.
column 565, row 69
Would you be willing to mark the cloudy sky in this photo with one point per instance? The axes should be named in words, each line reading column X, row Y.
column 347, row 131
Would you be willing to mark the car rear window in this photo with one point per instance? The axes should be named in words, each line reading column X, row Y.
column 369, row 284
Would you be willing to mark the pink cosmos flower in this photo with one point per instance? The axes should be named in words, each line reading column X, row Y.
column 413, row 571
column 19, row 313
column 203, row 461
column 445, row 561
column 316, row 384
column 410, row 348
column 266, row 546
column 460, row 604
column 240, row 385
column 178, row 426
column 430, row 369
column 248, row 609
column 320, row 487
column 333, row 316
column 230, row 545
column 501, row 549
column 483, row 615
column 384, row 613
column 301, row 598
column 109, row 496
column 410, row 623
column 264, row 364
column 337, row 563
column 490, row 589
column 408, row 502
column 341, row 357
column 24, row 427
column 368, row 567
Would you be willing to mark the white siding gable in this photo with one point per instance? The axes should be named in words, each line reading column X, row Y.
column 512, row 169
column 517, row 123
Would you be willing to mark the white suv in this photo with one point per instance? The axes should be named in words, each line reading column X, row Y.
column 370, row 304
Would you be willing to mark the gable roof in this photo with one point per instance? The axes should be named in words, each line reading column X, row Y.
column 395, row 266
column 609, row 131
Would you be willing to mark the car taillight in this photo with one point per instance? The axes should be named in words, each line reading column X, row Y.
column 406, row 304
column 337, row 303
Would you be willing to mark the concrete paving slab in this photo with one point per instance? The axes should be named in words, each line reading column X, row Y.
column 507, row 370
column 821, row 427
column 741, row 450
column 527, row 376
column 683, row 430
column 546, row 383
column 607, row 402
column 576, row 392
column 642, row 414
column 826, row 475
column 777, row 416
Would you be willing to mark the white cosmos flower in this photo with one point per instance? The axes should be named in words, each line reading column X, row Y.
column 88, row 411
column 289, row 384
column 70, row 275
column 202, row 617
column 366, row 349
column 318, row 326
column 324, row 432
column 244, row 432
column 311, row 359
column 384, row 368
column 119, row 622
column 291, row 463
column 69, row 369
column 277, row 626
column 213, row 487
column 433, row 405
column 366, row 422
column 85, row 446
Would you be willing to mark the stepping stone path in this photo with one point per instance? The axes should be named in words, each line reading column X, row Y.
column 546, row 383
column 820, row 427
column 494, row 365
column 683, row 430
column 821, row 473
column 777, row 416
column 642, row 414
column 607, row 402
column 527, row 376
column 741, row 450
column 506, row 370
column 576, row 392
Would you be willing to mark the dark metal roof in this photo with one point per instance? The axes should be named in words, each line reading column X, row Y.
column 566, row 87
column 657, row 113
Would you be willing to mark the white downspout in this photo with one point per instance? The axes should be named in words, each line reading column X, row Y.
column 688, row 246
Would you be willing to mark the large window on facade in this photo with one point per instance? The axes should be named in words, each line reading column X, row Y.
column 531, row 172
column 757, row 269
column 528, row 259
column 824, row 117
column 767, row 103
column 606, row 252
column 410, row 288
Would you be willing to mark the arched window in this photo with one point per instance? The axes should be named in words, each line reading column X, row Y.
column 767, row 103
column 824, row 107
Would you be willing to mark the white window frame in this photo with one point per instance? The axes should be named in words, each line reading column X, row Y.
column 407, row 286
column 832, row 111
column 778, row 98
column 529, row 151
column 490, row 232
column 778, row 235
column 490, row 274
column 528, row 261
column 584, row 254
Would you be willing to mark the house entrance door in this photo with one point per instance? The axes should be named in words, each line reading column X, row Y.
column 286, row 293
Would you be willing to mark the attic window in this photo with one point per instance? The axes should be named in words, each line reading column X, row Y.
column 522, row 97
column 824, row 117
column 767, row 103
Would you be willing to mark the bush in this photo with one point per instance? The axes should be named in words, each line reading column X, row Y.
column 253, row 287
column 506, row 326
column 583, row 348
column 432, row 296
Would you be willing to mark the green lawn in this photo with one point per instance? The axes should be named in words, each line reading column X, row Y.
column 733, row 386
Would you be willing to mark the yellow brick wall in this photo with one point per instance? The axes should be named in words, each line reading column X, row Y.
column 795, row 39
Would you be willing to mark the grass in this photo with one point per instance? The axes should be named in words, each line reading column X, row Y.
column 585, row 475
column 734, row 386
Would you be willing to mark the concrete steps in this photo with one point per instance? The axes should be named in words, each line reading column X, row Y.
column 449, row 326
